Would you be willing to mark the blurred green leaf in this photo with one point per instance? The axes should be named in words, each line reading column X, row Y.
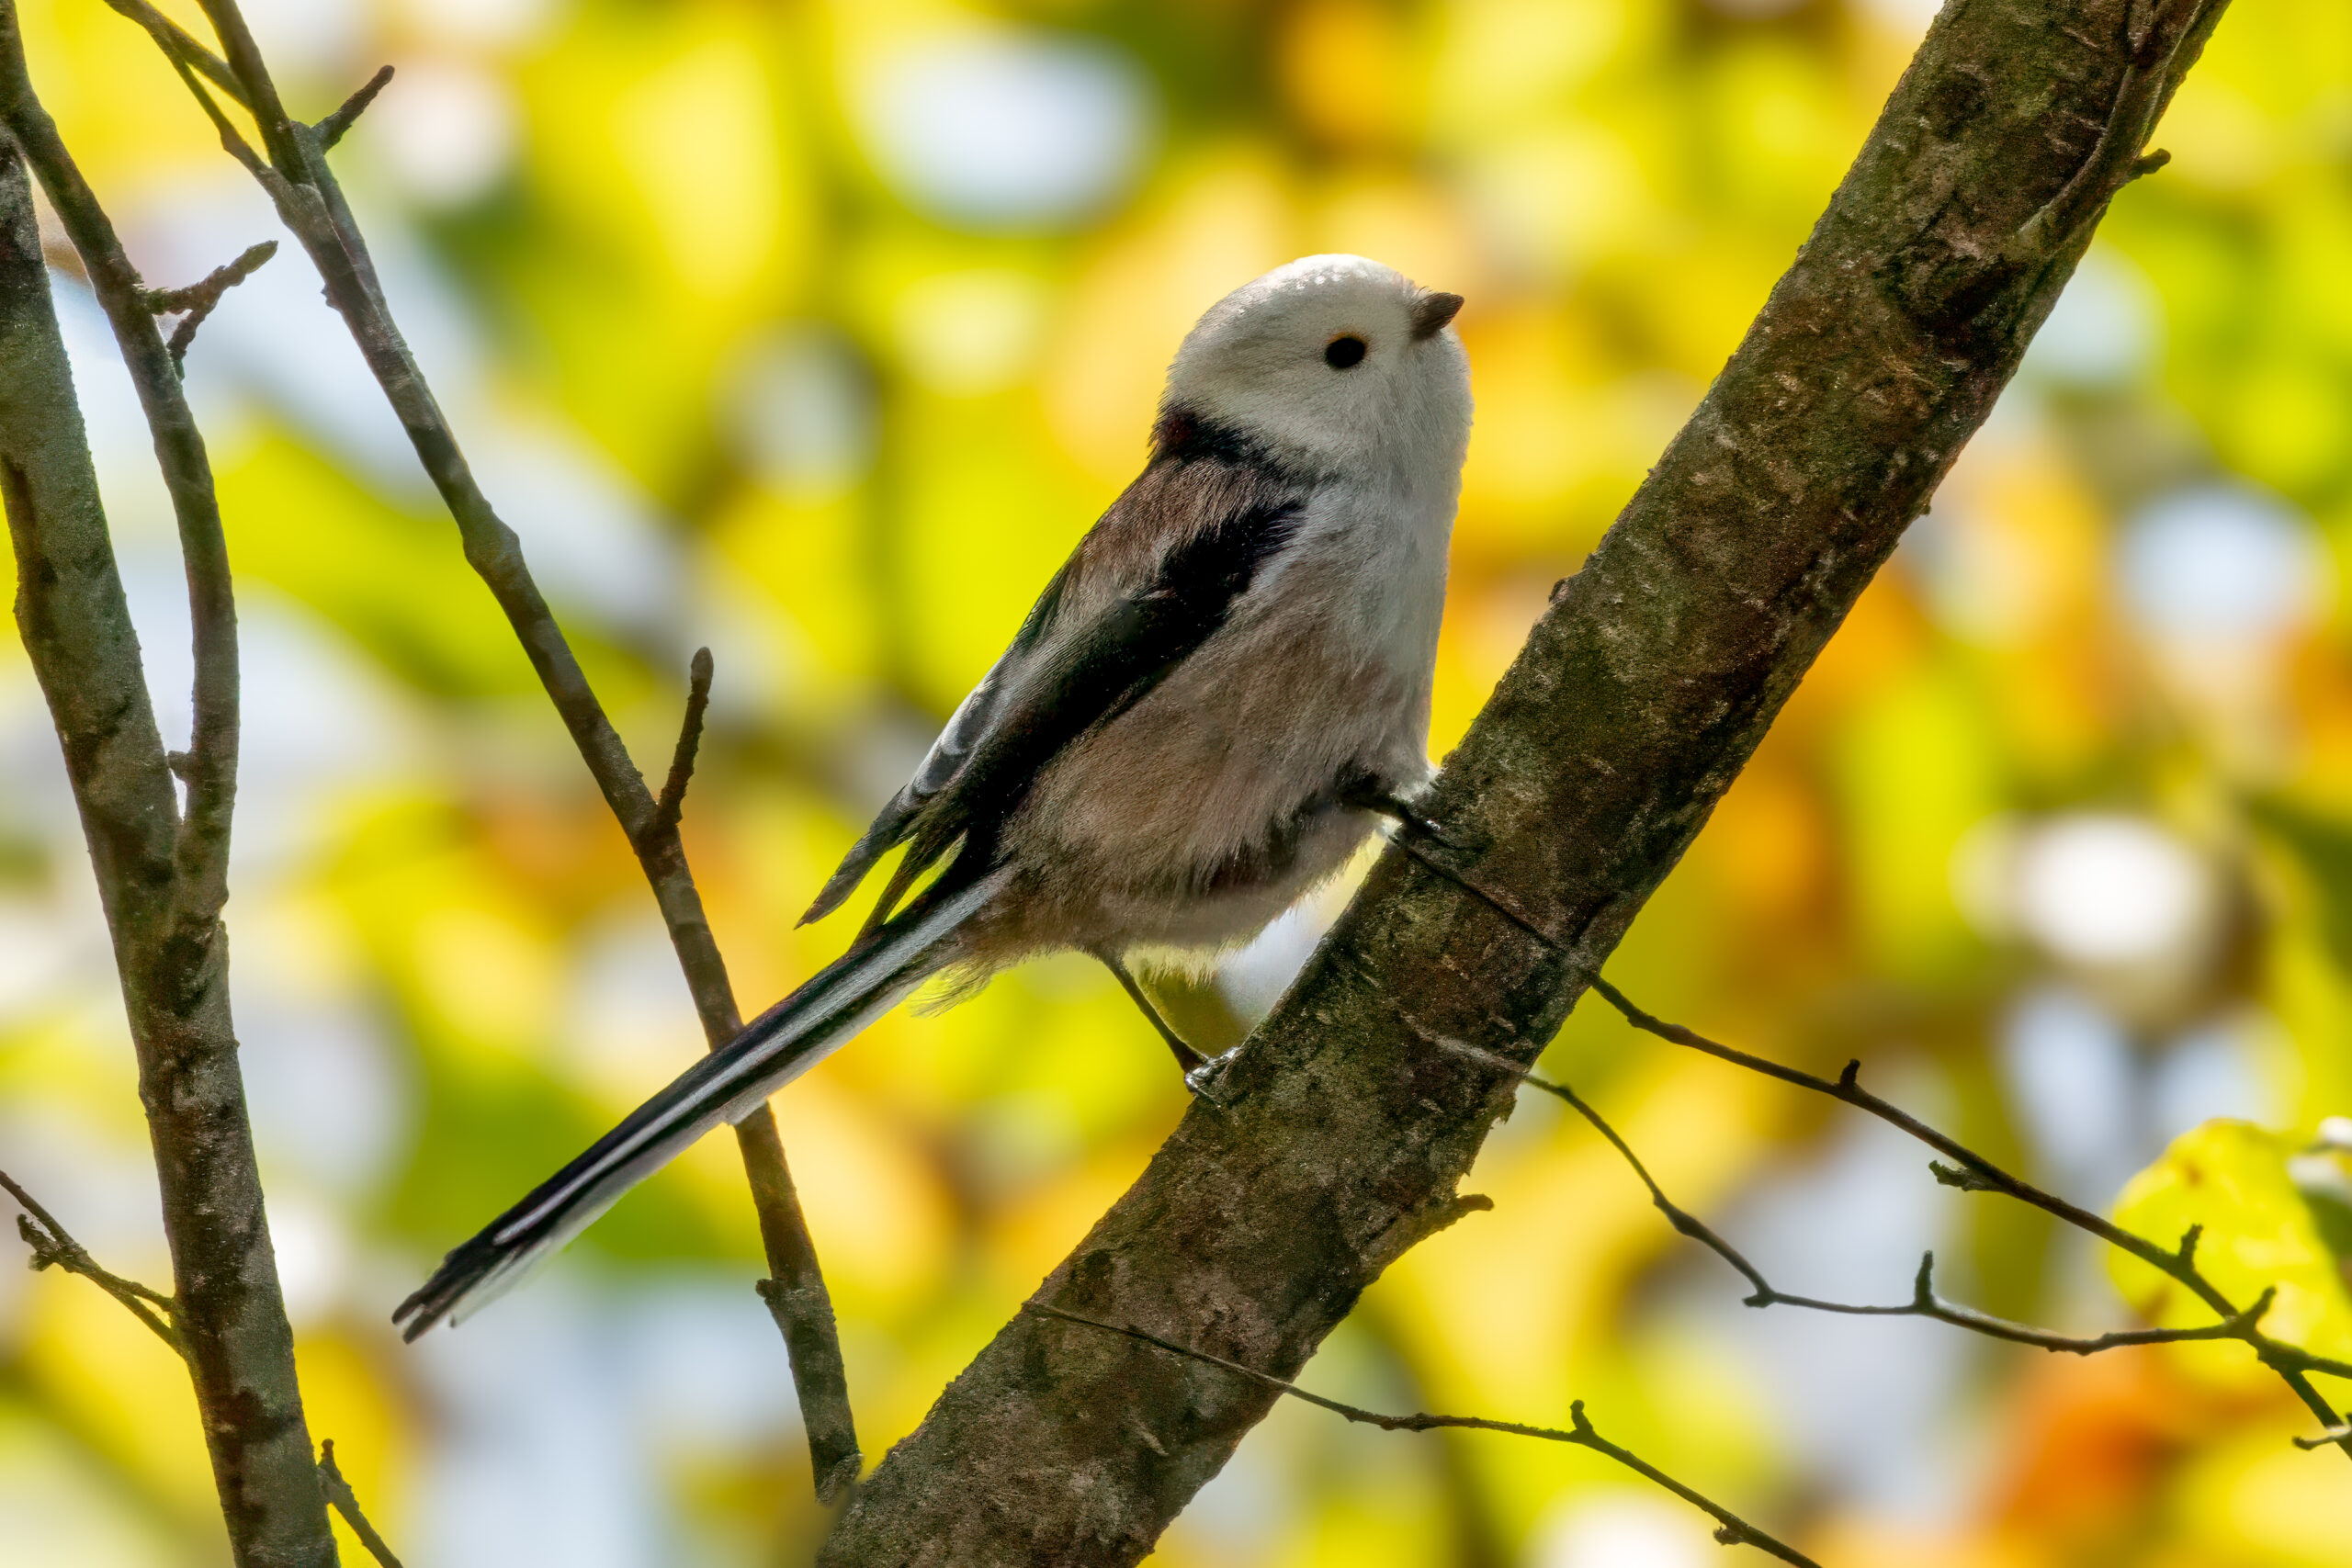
column 2324, row 847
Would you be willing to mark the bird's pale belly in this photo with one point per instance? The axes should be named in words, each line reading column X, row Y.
column 1183, row 836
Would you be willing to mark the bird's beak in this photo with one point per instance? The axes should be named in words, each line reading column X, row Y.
column 1431, row 311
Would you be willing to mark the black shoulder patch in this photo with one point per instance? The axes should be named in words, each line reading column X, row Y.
column 1216, row 566
column 1127, row 652
column 1182, row 436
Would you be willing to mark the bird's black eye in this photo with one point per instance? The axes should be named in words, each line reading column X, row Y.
column 1343, row 353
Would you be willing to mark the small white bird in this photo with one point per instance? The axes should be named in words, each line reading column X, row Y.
column 1193, row 728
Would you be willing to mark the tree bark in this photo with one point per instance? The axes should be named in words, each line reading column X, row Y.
column 1346, row 1122
column 173, row 968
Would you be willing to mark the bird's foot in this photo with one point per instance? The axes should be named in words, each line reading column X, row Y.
column 1370, row 794
column 1414, row 820
column 1206, row 1082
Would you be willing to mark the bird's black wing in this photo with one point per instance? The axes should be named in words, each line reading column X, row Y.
column 1054, row 685
column 965, row 728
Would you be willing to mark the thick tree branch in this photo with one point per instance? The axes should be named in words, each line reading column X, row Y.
column 158, row 878
column 292, row 167
column 1635, row 703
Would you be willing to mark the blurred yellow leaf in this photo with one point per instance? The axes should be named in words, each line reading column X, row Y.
column 2230, row 1178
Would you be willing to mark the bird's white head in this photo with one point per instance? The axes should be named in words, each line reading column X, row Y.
column 1333, row 364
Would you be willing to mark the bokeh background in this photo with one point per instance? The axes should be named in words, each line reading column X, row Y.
column 817, row 333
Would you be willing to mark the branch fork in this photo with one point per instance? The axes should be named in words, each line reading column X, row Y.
column 2155, row 32
column 55, row 1248
column 346, row 1501
column 197, row 301
column 1970, row 1171
column 332, row 130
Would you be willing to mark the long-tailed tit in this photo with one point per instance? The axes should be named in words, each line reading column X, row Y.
column 1191, row 729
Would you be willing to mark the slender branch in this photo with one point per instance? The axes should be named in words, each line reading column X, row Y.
column 159, row 876
column 197, row 301
column 233, row 141
column 670, row 806
column 1923, row 1300
column 1731, row 1530
column 1924, row 1303
column 333, row 129
column 201, row 885
column 1682, row 1219
column 1973, row 1172
column 53, row 1246
column 2329, row 1438
column 1980, row 1174
column 182, row 47
column 259, row 92
column 345, row 1502
column 310, row 202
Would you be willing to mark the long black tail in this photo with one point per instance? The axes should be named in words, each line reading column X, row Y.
column 788, row 1039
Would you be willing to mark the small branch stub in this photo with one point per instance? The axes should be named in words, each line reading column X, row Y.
column 670, row 806
column 332, row 128
column 53, row 1247
column 347, row 1502
column 197, row 301
column 2332, row 1438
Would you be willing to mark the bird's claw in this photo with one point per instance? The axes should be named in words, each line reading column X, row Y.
column 1206, row 1079
column 1369, row 795
column 1416, row 822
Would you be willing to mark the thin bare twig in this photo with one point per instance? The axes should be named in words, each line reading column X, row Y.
column 1682, row 1219
column 1731, row 1530
column 1924, row 1302
column 181, row 46
column 347, row 1502
column 332, row 128
column 1970, row 1171
column 55, row 1248
column 310, row 202
column 233, row 141
column 2328, row 1438
column 197, row 301
column 670, row 806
